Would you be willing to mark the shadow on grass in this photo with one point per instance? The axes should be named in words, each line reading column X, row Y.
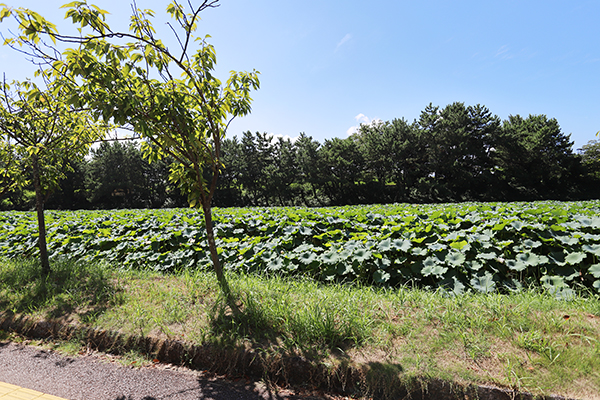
column 72, row 287
column 276, row 325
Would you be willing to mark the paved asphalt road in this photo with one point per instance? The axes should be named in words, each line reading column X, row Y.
column 91, row 377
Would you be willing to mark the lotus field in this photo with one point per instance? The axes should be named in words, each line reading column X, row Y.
column 454, row 247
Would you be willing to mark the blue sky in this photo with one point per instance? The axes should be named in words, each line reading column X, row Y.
column 326, row 66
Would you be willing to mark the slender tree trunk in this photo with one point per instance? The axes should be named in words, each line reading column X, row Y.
column 215, row 260
column 39, row 207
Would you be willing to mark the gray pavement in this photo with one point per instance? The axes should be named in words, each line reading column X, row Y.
column 91, row 377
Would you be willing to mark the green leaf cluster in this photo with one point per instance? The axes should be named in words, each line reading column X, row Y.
column 455, row 247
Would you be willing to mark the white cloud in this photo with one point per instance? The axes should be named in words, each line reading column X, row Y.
column 362, row 119
column 275, row 138
column 344, row 40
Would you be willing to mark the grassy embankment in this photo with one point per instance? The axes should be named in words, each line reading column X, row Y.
column 527, row 340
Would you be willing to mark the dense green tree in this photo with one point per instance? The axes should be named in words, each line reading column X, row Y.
column 589, row 182
column 309, row 165
column 590, row 157
column 117, row 177
column 71, row 192
column 342, row 168
column 395, row 154
column 534, row 158
column 171, row 99
column 256, row 167
column 229, row 192
column 45, row 134
column 458, row 141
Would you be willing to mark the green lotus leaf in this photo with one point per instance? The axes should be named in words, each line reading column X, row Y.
column 575, row 258
column 419, row 251
column 455, row 259
column 436, row 247
column 484, row 283
column 553, row 281
column 361, row 255
column 330, row 257
column 486, row 256
column 275, row 264
column 516, row 265
column 529, row 259
column 307, row 257
column 568, row 240
column 474, row 265
column 383, row 263
column 380, row 276
column 385, row 245
column 460, row 245
column 595, row 270
column 430, row 262
column 557, row 257
column 401, row 245
column 458, row 288
column 518, row 225
column 531, row 243
column 592, row 248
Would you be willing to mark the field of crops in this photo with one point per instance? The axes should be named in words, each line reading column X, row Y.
column 467, row 246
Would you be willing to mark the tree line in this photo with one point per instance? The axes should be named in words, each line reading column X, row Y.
column 450, row 154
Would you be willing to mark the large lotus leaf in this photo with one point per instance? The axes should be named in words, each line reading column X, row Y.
column 419, row 251
column 568, row 240
column 480, row 237
column 461, row 245
column 457, row 288
column 275, row 264
column 553, row 281
column 592, row 248
column 345, row 269
column 484, row 283
column 474, row 265
column 516, row 265
column 529, row 259
column 401, row 245
column 361, row 255
column 306, row 231
column 383, row 263
column 380, row 276
column 433, row 269
column 575, row 258
column 597, row 285
column 303, row 247
column 436, row 247
column 518, row 225
column 385, row 245
column 557, row 257
column 531, row 243
column 455, row 259
column 486, row 256
column 345, row 254
column 307, row 257
column 452, row 237
column 268, row 255
column 595, row 270
column 330, row 257
column 430, row 262
column 287, row 230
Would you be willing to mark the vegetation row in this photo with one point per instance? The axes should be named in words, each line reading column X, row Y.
column 458, row 153
column 457, row 247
